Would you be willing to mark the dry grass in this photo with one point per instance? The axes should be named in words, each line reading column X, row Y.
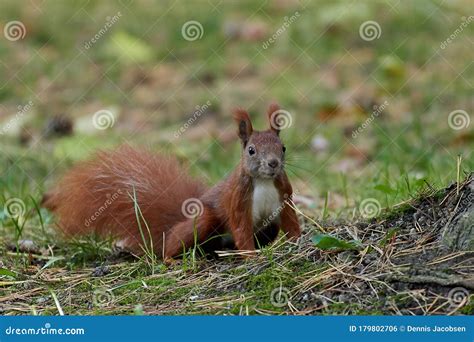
column 406, row 272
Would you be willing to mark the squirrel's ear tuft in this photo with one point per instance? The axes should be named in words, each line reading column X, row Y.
column 272, row 114
column 244, row 124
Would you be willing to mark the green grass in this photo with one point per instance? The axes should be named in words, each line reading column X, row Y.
column 320, row 70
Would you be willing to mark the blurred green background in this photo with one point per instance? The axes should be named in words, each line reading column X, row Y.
column 132, row 59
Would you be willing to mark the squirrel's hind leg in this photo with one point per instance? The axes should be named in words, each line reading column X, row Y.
column 183, row 235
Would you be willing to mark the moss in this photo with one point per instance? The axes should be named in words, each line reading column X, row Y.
column 468, row 309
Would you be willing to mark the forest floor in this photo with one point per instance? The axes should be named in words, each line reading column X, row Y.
column 395, row 264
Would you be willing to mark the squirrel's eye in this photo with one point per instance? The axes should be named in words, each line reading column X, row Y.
column 251, row 150
column 284, row 149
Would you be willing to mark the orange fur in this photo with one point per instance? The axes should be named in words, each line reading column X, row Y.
column 96, row 196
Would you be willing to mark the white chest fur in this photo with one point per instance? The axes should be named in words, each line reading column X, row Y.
column 265, row 202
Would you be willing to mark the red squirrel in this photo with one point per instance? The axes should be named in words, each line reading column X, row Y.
column 101, row 196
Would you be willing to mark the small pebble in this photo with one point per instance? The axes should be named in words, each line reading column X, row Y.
column 100, row 271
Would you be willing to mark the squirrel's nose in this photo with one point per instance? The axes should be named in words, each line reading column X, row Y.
column 273, row 163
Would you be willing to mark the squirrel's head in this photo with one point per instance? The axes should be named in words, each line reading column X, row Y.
column 263, row 153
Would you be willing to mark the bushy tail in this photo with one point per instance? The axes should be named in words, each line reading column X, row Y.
column 98, row 196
